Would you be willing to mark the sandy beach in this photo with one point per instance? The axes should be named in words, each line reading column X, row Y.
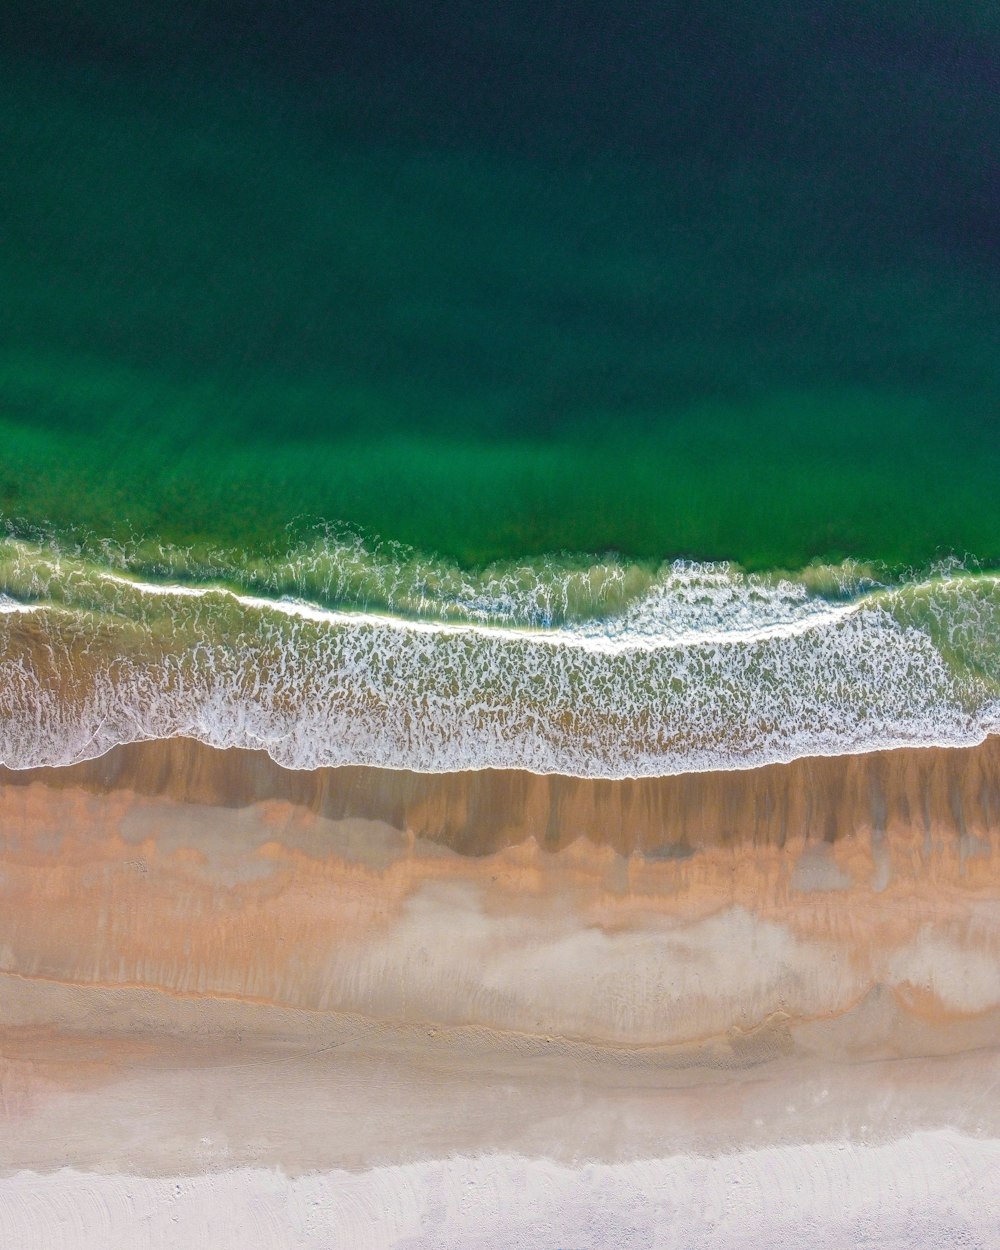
column 214, row 967
column 668, row 912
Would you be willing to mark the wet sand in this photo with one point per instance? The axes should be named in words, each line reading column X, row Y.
column 940, row 792
column 209, row 963
column 626, row 913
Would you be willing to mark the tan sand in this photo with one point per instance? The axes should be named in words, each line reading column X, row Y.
column 211, row 962
column 929, row 791
column 175, row 866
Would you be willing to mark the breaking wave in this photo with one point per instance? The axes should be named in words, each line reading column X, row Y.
column 602, row 668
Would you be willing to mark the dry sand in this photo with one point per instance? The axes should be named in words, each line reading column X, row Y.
column 930, row 1190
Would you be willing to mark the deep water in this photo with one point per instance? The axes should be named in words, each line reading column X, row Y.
column 670, row 280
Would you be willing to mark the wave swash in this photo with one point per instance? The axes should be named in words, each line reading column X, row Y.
column 599, row 668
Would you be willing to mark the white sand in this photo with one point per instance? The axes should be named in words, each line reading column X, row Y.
column 934, row 1190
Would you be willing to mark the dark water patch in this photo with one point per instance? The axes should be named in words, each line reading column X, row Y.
column 498, row 284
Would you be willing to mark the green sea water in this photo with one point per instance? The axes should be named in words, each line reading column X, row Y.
column 723, row 290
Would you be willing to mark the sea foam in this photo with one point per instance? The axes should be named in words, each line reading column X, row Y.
column 703, row 667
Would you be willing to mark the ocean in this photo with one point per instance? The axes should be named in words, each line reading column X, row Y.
column 655, row 330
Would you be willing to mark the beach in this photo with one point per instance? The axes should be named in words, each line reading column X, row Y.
column 499, row 626
column 212, row 965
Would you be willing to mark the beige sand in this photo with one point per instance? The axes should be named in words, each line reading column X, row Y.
column 178, row 867
column 931, row 792
column 210, row 964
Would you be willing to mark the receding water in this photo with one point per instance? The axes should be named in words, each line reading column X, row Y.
column 647, row 673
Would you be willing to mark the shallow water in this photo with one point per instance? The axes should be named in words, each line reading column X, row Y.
column 609, row 671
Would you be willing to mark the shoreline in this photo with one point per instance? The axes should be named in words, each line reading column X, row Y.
column 954, row 790
column 711, row 675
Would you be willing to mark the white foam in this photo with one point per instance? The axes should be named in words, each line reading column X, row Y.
column 10, row 607
column 728, row 608
column 928, row 1191
column 707, row 669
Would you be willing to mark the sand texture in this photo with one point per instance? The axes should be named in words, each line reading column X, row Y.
column 238, row 981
